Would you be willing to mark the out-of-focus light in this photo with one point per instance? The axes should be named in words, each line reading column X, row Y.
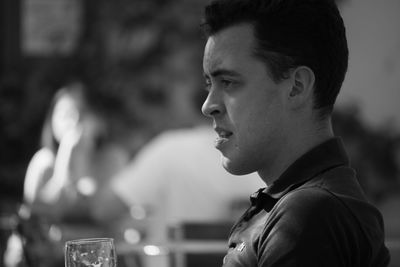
column 132, row 236
column 14, row 251
column 24, row 212
column 138, row 212
column 152, row 250
column 87, row 186
column 55, row 233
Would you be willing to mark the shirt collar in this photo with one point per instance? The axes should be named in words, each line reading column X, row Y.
column 327, row 155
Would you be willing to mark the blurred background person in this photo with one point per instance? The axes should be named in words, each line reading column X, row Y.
column 49, row 172
column 73, row 162
column 73, row 149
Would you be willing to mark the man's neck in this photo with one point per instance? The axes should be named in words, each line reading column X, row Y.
column 300, row 143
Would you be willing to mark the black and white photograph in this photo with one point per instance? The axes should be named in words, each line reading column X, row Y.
column 199, row 133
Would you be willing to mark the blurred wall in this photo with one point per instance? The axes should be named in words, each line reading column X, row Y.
column 373, row 79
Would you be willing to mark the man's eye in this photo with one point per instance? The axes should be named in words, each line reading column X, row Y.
column 226, row 83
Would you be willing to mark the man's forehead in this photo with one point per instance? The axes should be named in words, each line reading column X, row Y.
column 233, row 37
column 212, row 60
column 226, row 47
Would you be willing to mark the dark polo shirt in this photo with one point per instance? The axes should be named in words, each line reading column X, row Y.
column 315, row 214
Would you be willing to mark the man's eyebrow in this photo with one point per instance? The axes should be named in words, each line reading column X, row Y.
column 220, row 72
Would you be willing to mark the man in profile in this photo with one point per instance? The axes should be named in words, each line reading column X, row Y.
column 273, row 70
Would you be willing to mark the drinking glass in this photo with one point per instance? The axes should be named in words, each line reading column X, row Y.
column 90, row 252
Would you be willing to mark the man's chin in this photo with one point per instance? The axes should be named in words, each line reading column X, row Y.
column 234, row 167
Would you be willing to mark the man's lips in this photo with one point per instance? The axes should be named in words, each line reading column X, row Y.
column 223, row 135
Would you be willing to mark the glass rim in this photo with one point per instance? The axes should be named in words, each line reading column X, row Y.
column 89, row 240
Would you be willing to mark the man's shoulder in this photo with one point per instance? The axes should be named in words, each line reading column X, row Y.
column 316, row 202
column 309, row 209
column 308, row 200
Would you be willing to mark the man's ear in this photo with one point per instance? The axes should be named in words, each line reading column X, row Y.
column 302, row 87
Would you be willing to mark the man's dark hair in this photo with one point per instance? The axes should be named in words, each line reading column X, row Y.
column 291, row 33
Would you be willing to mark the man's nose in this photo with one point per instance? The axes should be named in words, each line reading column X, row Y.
column 213, row 105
